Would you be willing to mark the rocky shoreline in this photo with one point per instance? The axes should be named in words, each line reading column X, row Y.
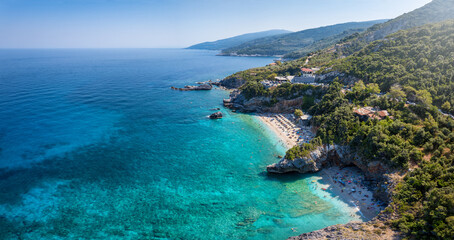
column 375, row 172
column 373, row 230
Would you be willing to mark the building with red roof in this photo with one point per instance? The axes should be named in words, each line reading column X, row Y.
column 307, row 70
column 366, row 113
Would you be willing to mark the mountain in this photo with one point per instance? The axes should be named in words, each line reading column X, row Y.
column 234, row 41
column 286, row 43
column 435, row 11
column 322, row 44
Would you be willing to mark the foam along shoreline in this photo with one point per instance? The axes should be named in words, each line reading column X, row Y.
column 289, row 133
column 348, row 185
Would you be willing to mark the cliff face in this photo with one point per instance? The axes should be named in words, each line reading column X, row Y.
column 326, row 156
column 262, row 104
column 232, row 82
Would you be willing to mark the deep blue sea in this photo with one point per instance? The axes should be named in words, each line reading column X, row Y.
column 95, row 145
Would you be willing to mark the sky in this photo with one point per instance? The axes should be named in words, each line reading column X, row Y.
column 173, row 23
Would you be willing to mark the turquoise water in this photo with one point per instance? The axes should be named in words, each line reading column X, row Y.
column 95, row 145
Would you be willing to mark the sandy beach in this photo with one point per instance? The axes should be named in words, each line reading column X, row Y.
column 348, row 184
column 289, row 133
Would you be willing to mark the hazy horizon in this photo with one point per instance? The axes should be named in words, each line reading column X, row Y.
column 172, row 24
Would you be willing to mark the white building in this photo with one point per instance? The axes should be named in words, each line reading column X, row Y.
column 306, row 79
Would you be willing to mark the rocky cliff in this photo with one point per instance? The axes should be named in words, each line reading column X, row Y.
column 325, row 156
column 232, row 82
column 264, row 104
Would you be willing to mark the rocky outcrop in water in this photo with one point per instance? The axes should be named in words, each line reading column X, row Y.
column 216, row 115
column 326, row 156
column 206, row 86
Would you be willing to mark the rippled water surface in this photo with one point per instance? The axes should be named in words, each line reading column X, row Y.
column 95, row 145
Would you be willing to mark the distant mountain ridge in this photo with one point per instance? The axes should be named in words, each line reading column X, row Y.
column 237, row 40
column 287, row 43
column 322, row 44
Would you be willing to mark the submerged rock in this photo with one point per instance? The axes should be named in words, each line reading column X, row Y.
column 216, row 115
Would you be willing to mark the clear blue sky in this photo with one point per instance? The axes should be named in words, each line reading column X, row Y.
column 172, row 23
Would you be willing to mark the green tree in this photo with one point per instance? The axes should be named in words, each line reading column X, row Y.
column 424, row 97
column 359, row 87
column 272, row 76
column 446, row 106
column 298, row 113
column 372, row 88
column 396, row 92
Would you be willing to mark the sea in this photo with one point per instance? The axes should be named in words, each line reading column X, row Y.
column 95, row 145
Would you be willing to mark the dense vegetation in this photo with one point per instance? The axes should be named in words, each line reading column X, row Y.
column 425, row 200
column 421, row 59
column 304, row 149
column 415, row 65
column 283, row 91
column 287, row 43
column 237, row 40
column 419, row 135
column 396, row 143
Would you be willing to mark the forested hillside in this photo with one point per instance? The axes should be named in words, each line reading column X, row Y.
column 415, row 65
column 433, row 12
column 287, row 43
column 420, row 59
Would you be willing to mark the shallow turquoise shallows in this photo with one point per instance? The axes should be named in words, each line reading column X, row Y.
column 95, row 145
